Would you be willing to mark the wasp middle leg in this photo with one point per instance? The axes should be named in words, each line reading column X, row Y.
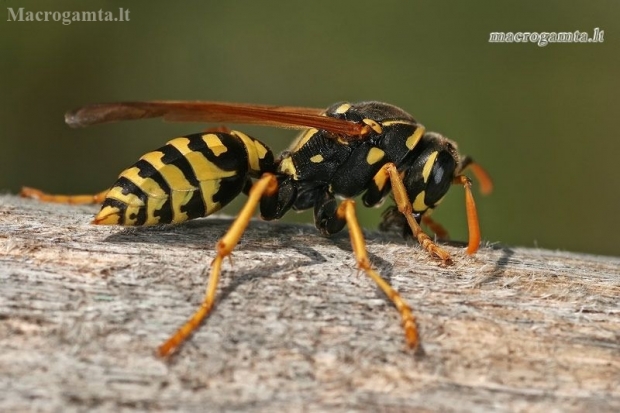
column 331, row 219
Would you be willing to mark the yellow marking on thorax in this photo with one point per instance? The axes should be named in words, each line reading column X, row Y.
column 374, row 125
column 428, row 166
column 343, row 108
column 214, row 143
column 317, row 158
column 412, row 141
column 374, row 155
column 397, row 122
column 342, row 141
column 287, row 167
column 301, row 139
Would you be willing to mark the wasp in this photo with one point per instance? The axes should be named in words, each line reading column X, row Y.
column 371, row 149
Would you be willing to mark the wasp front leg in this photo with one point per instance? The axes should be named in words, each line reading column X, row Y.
column 405, row 207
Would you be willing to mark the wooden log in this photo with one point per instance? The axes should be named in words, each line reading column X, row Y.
column 296, row 326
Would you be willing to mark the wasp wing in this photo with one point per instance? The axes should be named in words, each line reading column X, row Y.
column 204, row 111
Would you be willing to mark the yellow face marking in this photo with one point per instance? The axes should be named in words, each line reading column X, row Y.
column 214, row 143
column 418, row 203
column 343, row 108
column 374, row 125
column 374, row 156
column 412, row 141
column 287, row 167
column 428, row 166
column 317, row 158
column 302, row 139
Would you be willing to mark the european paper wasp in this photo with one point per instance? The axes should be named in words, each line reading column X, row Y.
column 350, row 149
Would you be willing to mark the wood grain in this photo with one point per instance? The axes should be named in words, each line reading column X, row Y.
column 296, row 327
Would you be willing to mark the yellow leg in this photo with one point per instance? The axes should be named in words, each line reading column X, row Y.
column 346, row 210
column 404, row 206
column 267, row 184
column 34, row 193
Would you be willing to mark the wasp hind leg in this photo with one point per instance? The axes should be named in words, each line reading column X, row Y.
column 98, row 198
column 266, row 186
column 330, row 219
column 440, row 232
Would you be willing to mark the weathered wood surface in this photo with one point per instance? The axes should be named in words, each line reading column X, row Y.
column 82, row 309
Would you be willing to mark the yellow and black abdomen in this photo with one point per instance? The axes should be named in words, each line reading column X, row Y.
column 189, row 177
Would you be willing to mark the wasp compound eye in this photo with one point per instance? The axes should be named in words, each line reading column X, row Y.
column 440, row 178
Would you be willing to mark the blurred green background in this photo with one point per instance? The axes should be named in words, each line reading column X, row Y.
column 542, row 120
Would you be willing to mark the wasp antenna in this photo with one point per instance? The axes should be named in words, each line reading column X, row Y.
column 472, row 214
column 482, row 176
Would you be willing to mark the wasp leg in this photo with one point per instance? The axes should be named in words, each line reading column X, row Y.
column 98, row 198
column 346, row 213
column 472, row 215
column 266, row 185
column 404, row 206
column 436, row 227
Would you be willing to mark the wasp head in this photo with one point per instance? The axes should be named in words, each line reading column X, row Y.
column 428, row 171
